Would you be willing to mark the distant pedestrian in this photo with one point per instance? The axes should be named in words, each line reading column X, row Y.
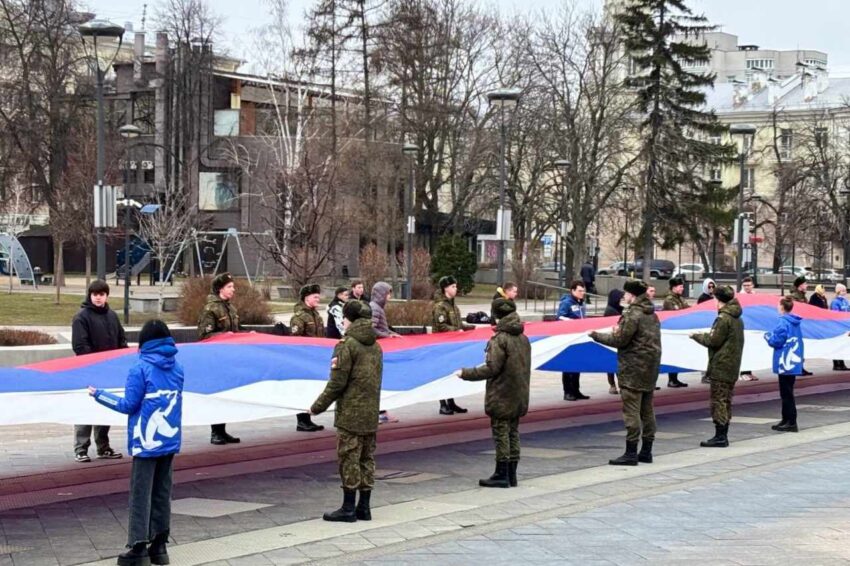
column 507, row 369
column 675, row 301
column 637, row 338
column 840, row 304
column 355, row 386
column 153, row 401
column 818, row 298
column 445, row 317
column 747, row 288
column 788, row 357
column 335, row 326
column 588, row 275
column 572, row 307
column 725, row 343
column 382, row 292
column 95, row 328
column 307, row 322
column 613, row 308
column 708, row 286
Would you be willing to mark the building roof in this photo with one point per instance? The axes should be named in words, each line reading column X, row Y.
column 790, row 94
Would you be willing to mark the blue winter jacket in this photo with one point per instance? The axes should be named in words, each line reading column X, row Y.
column 153, row 399
column 840, row 304
column 787, row 343
column 570, row 307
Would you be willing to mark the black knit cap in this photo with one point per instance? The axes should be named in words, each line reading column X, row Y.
column 339, row 290
column 446, row 281
column 799, row 281
column 152, row 330
column 309, row 290
column 636, row 287
column 676, row 281
column 220, row 281
column 503, row 307
column 724, row 294
column 352, row 310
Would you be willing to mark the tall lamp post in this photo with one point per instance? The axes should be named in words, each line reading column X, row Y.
column 412, row 152
column 563, row 166
column 503, row 99
column 128, row 132
column 845, row 192
column 754, row 243
column 746, row 131
column 92, row 32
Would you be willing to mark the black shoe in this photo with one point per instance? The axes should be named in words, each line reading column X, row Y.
column 570, row 397
column 720, row 438
column 581, row 396
column 305, row 424
column 231, row 439
column 217, row 439
column 136, row 556
column 363, row 512
column 453, row 406
column 157, row 551
column 444, row 408
column 786, row 427
column 512, row 466
column 346, row 513
column 842, row 366
column 675, row 383
column 657, row 388
column 781, row 423
column 499, row 477
column 807, row 372
column 629, row 457
column 645, row 455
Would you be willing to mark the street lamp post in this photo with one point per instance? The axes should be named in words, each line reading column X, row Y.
column 504, row 98
column 128, row 132
column 91, row 32
column 745, row 131
column 562, row 165
column 412, row 152
column 757, row 199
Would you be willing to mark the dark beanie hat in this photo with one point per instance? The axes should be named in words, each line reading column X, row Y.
column 339, row 290
column 352, row 310
column 152, row 330
column 220, row 281
column 724, row 294
column 799, row 281
column 635, row 286
column 309, row 290
column 446, row 281
column 503, row 307
column 676, row 281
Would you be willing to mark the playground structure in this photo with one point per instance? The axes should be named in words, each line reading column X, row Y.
column 198, row 238
column 16, row 262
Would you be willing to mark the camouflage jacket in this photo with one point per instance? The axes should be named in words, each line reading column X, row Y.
column 507, row 370
column 355, row 382
column 799, row 296
column 218, row 316
column 638, row 342
column 445, row 316
column 674, row 302
column 306, row 322
column 725, row 343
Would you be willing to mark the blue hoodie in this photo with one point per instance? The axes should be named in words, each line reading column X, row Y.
column 153, row 399
column 840, row 304
column 570, row 307
column 787, row 343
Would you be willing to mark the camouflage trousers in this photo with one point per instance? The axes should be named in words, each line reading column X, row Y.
column 638, row 414
column 506, row 438
column 721, row 401
column 356, row 455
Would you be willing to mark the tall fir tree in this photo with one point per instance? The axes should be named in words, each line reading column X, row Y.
column 663, row 40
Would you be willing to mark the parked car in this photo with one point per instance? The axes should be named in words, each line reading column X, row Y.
column 831, row 275
column 658, row 269
column 612, row 269
column 690, row 271
column 796, row 271
column 4, row 262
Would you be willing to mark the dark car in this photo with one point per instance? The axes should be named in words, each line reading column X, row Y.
column 658, row 269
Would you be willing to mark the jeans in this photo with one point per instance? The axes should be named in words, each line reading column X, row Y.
column 82, row 438
column 150, row 499
column 786, row 393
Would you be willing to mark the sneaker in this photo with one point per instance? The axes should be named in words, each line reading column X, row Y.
column 384, row 418
column 748, row 377
column 82, row 458
column 109, row 454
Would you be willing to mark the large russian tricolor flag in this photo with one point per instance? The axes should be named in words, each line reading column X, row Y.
column 252, row 376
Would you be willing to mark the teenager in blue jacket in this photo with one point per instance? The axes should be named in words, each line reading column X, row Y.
column 153, row 401
column 840, row 304
column 572, row 307
column 788, row 355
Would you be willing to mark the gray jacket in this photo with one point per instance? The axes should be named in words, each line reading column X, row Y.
column 380, row 290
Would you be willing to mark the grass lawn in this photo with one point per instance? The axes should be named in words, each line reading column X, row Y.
column 39, row 309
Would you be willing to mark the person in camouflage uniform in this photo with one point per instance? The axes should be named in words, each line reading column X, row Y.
column 674, row 301
column 445, row 317
column 219, row 316
column 307, row 322
column 637, row 338
column 507, row 370
column 355, row 385
column 725, row 345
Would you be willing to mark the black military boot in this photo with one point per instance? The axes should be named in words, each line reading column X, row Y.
column 363, row 511
column 629, row 457
column 444, row 408
column 136, row 556
column 499, row 477
column 157, row 551
column 227, row 438
column 835, row 366
column 577, row 389
column 306, row 424
column 645, row 455
column 512, row 466
column 787, row 427
column 719, row 440
column 453, row 406
column 346, row 513
column 217, row 435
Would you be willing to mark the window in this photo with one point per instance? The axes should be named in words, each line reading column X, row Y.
column 144, row 111
column 226, row 123
column 148, row 172
column 821, row 137
column 715, row 139
column 715, row 174
column 786, row 140
column 218, row 191
column 760, row 63
column 747, row 142
column 750, row 178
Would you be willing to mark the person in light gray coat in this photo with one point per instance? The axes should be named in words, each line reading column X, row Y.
column 381, row 294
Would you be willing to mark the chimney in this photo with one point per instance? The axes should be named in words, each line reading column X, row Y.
column 772, row 91
column 740, row 94
column 809, row 84
column 138, row 55
column 823, row 78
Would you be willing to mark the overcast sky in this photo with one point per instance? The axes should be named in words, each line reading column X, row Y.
column 776, row 24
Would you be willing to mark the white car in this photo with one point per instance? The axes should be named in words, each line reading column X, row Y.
column 797, row 271
column 690, row 271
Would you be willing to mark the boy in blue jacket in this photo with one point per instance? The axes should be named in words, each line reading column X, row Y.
column 572, row 307
column 788, row 355
column 153, row 399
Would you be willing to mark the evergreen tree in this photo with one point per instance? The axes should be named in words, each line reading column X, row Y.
column 663, row 40
column 452, row 257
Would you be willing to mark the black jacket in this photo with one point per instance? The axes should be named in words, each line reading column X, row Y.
column 96, row 329
column 818, row 301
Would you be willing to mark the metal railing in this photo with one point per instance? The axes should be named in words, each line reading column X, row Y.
column 551, row 297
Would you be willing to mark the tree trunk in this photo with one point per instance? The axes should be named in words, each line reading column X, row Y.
column 58, row 269
column 88, row 248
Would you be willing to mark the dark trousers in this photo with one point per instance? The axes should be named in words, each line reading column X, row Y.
column 150, row 499
column 672, row 377
column 506, row 439
column 82, row 438
column 786, row 393
column 569, row 381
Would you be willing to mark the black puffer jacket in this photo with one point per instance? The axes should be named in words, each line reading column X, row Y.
column 96, row 329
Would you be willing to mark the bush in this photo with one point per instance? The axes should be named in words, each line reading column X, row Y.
column 249, row 302
column 409, row 313
column 422, row 286
column 373, row 266
column 14, row 337
column 452, row 257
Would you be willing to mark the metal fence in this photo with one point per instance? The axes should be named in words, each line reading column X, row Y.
column 544, row 298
